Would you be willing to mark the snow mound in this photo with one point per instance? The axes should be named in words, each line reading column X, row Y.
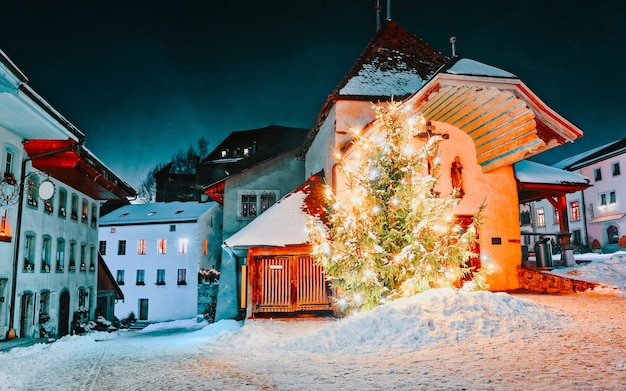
column 610, row 271
column 438, row 315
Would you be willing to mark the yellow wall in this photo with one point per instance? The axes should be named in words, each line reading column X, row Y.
column 498, row 191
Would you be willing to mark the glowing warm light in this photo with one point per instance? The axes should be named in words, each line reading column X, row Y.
column 376, row 209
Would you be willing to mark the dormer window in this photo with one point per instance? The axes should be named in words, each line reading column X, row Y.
column 246, row 152
column 225, row 153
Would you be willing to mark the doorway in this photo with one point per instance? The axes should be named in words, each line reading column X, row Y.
column 64, row 313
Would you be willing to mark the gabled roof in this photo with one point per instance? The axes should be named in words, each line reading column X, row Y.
column 395, row 63
column 537, row 181
column 285, row 223
column 594, row 155
column 244, row 149
column 156, row 213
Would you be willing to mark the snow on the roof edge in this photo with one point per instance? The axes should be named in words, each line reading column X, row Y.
column 466, row 66
column 527, row 171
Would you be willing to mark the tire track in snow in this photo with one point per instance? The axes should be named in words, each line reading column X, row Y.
column 91, row 376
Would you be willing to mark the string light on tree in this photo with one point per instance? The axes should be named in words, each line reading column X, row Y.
column 393, row 235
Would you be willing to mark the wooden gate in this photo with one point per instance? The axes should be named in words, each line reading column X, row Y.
column 288, row 283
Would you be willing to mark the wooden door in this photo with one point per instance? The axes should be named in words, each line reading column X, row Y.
column 289, row 283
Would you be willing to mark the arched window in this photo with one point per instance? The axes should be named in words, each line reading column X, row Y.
column 60, row 255
column 62, row 202
column 29, row 252
column 94, row 215
column 46, row 245
column 613, row 234
column 72, row 255
column 84, row 211
column 74, row 215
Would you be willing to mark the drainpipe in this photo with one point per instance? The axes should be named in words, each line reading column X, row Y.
column 18, row 231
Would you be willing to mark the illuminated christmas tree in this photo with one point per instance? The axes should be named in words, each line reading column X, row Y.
column 392, row 234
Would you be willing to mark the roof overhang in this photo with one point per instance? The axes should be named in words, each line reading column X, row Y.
column 70, row 163
column 506, row 120
column 529, row 192
column 216, row 191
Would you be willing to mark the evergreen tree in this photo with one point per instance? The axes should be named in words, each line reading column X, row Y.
column 392, row 234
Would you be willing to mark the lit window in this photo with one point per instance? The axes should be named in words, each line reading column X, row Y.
column 120, row 277
column 182, row 277
column 160, row 277
column 205, row 247
column 141, row 246
column 182, row 246
column 575, row 210
column 84, row 211
column 162, row 246
column 141, row 277
column 5, row 227
column 541, row 217
column 103, row 247
column 121, row 247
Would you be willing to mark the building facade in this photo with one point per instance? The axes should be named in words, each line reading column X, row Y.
column 157, row 252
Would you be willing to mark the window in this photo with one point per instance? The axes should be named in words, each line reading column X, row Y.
column 5, row 227
column 182, row 277
column 74, row 214
column 182, row 246
column 62, row 202
column 121, row 247
column 8, row 162
column 597, row 174
column 83, row 299
column 120, row 277
column 103, row 247
column 72, row 256
column 83, row 264
column 92, row 258
column 60, row 255
column 576, row 237
column 267, row 200
column 248, row 205
column 33, row 186
column 45, row 254
column 613, row 234
column 94, row 216
column 205, row 247
column 84, row 211
column 574, row 210
column 612, row 198
column 602, row 200
column 29, row 253
column 541, row 217
column 141, row 277
column 172, row 228
column 254, row 202
column 524, row 217
column 160, row 277
column 616, row 170
column 162, row 246
column 557, row 216
column 141, row 246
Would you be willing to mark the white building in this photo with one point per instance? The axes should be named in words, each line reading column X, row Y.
column 50, row 185
column 155, row 251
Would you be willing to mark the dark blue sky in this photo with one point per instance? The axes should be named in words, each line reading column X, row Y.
column 145, row 79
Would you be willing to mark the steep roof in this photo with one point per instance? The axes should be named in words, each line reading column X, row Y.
column 285, row 223
column 592, row 156
column 395, row 63
column 536, row 181
column 156, row 212
column 244, row 149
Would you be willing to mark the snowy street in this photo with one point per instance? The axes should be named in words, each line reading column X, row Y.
column 439, row 340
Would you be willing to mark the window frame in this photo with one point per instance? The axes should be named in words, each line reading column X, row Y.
column 249, row 209
column 541, row 217
column 181, row 276
column 140, row 278
column 160, row 277
column 142, row 246
column 119, row 278
column 575, row 210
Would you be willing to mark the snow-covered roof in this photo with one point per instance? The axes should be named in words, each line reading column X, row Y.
column 532, row 172
column 284, row 223
column 156, row 212
column 593, row 155
column 466, row 66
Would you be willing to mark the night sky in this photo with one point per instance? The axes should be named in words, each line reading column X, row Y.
column 146, row 79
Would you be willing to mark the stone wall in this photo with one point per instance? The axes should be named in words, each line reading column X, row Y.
column 540, row 282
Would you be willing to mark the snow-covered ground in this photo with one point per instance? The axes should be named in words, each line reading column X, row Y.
column 438, row 340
